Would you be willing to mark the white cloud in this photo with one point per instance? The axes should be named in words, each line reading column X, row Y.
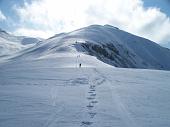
column 33, row 33
column 66, row 15
column 2, row 16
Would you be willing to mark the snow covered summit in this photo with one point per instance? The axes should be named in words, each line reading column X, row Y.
column 108, row 44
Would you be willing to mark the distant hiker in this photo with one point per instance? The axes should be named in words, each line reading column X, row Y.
column 80, row 65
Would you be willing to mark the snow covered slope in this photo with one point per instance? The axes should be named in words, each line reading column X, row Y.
column 108, row 44
column 10, row 44
column 44, row 94
column 43, row 86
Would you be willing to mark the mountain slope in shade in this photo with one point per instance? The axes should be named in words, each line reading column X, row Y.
column 107, row 43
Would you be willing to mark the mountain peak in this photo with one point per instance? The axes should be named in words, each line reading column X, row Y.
column 110, row 26
column 107, row 43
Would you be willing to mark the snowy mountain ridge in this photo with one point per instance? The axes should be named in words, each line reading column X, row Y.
column 44, row 85
column 107, row 43
column 10, row 44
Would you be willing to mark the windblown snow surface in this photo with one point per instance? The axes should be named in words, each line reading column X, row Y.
column 44, row 87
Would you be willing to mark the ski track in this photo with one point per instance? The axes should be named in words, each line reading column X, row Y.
column 94, row 98
column 96, row 80
column 90, row 98
column 121, row 108
column 90, row 107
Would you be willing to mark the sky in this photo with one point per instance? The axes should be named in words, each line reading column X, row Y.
column 44, row 18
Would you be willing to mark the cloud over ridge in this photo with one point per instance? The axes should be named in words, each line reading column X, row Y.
column 52, row 17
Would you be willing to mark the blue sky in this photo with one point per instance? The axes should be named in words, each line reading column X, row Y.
column 164, row 5
column 146, row 18
column 6, row 7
